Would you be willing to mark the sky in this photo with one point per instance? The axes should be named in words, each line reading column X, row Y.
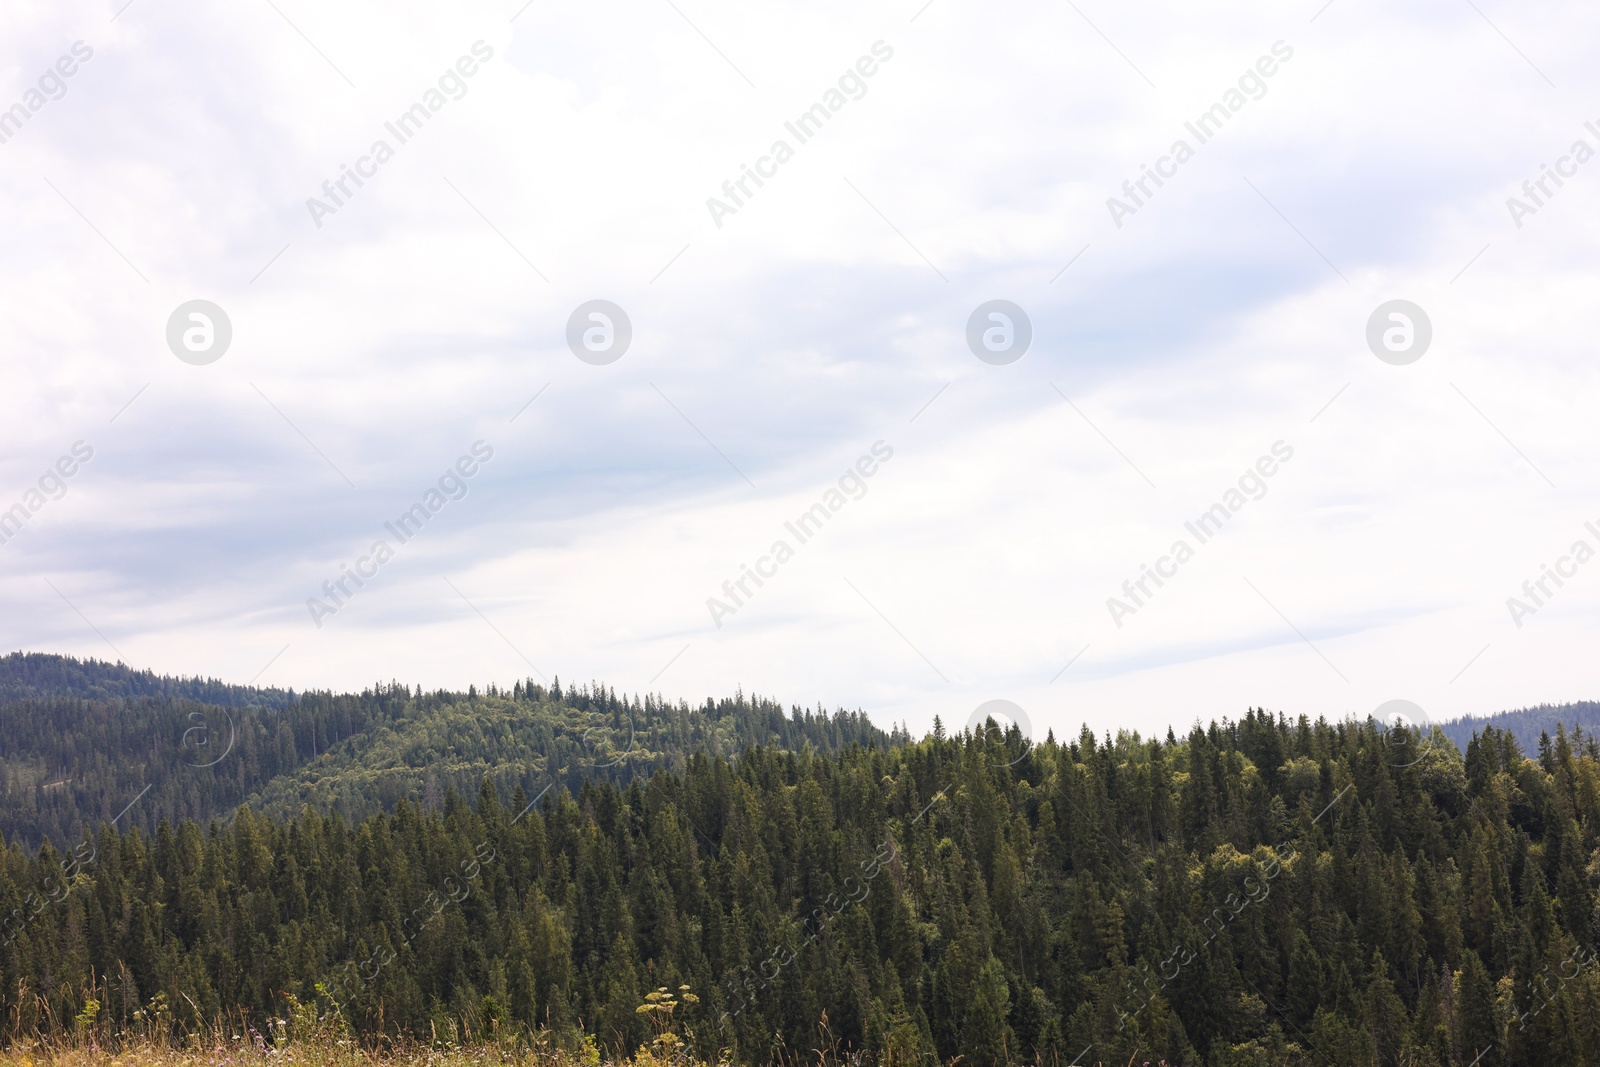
column 1350, row 317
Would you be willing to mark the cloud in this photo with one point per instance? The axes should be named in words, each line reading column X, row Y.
column 826, row 314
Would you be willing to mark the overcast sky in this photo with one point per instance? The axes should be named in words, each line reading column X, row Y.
column 1177, row 338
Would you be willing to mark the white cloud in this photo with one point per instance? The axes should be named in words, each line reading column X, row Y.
column 819, row 318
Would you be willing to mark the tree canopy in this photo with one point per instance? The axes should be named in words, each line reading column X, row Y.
column 1257, row 892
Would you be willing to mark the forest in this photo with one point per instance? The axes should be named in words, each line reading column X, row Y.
column 1265, row 891
column 80, row 739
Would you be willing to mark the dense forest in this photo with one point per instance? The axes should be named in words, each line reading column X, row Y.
column 1527, row 725
column 80, row 740
column 40, row 675
column 1268, row 891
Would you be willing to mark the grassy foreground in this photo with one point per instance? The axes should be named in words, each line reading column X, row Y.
column 253, row 1049
column 307, row 1039
column 244, row 1053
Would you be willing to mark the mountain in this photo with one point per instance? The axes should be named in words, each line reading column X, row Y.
column 1529, row 725
column 83, row 741
column 42, row 676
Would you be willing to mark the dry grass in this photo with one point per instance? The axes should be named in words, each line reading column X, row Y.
column 251, row 1050
column 306, row 1039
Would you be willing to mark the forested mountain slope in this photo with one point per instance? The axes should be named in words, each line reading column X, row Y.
column 1260, row 892
column 40, row 675
column 82, row 740
column 1532, row 727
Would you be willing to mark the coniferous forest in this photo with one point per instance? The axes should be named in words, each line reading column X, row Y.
column 1271, row 890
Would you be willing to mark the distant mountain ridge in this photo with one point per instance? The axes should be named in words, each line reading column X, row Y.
column 35, row 675
column 1528, row 724
column 83, row 741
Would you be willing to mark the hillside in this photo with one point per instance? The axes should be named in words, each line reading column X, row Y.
column 1529, row 725
column 42, row 676
column 81, row 740
column 1257, row 893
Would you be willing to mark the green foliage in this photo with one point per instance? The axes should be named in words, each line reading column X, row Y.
column 1260, row 892
column 81, row 739
column 1528, row 725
